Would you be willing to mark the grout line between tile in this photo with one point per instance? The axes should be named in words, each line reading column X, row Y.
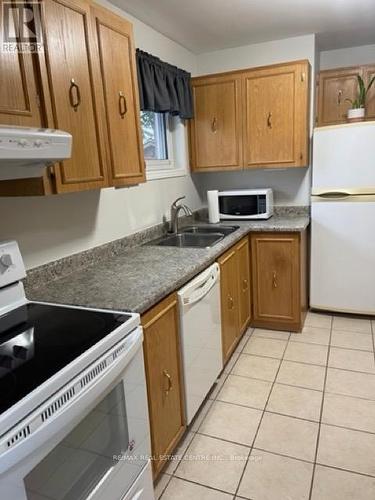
column 260, row 423
column 321, row 412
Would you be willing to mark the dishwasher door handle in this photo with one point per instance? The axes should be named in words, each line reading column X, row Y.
column 201, row 292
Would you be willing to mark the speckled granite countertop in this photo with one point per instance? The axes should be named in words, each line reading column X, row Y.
column 138, row 278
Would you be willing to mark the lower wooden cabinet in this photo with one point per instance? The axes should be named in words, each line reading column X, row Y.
column 279, row 280
column 244, row 296
column 164, row 379
column 235, row 295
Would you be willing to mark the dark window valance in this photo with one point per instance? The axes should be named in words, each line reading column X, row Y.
column 162, row 87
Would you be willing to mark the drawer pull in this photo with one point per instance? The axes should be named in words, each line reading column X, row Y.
column 269, row 120
column 214, row 125
column 339, row 95
column 74, row 95
column 123, row 108
column 274, row 280
column 245, row 284
column 169, row 380
column 230, row 302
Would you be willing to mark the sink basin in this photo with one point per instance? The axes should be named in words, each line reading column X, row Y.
column 225, row 230
column 189, row 240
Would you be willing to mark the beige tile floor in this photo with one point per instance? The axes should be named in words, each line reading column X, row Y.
column 291, row 418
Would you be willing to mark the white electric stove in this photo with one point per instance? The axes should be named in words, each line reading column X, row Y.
column 73, row 406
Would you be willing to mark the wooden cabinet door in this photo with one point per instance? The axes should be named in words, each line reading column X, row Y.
column 216, row 130
column 276, row 116
column 276, row 278
column 118, row 71
column 19, row 100
column 368, row 74
column 164, row 378
column 229, row 301
column 334, row 87
column 244, row 298
column 73, row 77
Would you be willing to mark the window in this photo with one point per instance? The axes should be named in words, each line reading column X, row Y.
column 161, row 134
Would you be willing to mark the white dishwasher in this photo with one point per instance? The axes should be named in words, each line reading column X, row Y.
column 200, row 322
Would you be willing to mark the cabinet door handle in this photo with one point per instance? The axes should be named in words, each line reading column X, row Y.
column 339, row 95
column 122, row 106
column 244, row 284
column 230, row 302
column 274, row 279
column 214, row 125
column 269, row 118
column 169, row 380
column 74, row 95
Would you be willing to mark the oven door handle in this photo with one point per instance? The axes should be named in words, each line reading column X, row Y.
column 54, row 428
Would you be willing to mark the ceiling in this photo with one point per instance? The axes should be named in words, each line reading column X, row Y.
column 207, row 25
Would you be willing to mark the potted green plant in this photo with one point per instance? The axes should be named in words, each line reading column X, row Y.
column 357, row 112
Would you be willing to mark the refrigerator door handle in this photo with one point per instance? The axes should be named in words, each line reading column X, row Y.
column 337, row 195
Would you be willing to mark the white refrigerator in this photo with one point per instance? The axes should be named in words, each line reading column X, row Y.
column 343, row 219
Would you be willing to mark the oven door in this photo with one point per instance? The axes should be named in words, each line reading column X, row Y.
column 95, row 446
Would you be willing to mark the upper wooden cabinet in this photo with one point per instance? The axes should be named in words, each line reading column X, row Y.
column 279, row 280
column 119, row 81
column 368, row 73
column 216, row 131
column 335, row 87
column 85, row 81
column 72, row 71
column 19, row 99
column 164, row 379
column 251, row 118
column 276, row 116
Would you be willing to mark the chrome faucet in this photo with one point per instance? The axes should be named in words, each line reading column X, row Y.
column 175, row 210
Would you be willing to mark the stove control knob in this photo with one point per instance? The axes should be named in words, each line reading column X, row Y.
column 20, row 352
column 6, row 260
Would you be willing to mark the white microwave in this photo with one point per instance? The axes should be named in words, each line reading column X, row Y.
column 245, row 204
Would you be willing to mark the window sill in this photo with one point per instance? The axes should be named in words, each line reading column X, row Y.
column 164, row 173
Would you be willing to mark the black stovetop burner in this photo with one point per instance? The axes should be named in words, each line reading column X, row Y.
column 38, row 340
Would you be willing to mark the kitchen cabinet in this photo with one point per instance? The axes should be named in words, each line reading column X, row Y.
column 334, row 87
column 78, row 84
column 244, row 295
column 164, row 379
column 276, row 116
column 216, row 131
column 235, row 295
column 368, row 73
column 229, row 302
column 73, row 77
column 119, row 82
column 337, row 85
column 19, row 99
column 251, row 118
column 279, row 280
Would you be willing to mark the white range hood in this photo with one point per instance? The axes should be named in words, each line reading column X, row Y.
column 25, row 152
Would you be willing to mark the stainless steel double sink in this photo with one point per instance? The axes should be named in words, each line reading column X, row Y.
column 195, row 237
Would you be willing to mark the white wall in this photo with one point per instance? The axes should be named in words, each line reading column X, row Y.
column 291, row 186
column 54, row 227
column 351, row 56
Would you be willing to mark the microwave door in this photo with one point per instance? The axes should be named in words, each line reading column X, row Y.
column 238, row 206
